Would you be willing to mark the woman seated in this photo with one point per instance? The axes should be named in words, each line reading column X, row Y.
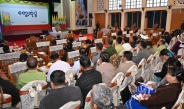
column 164, row 96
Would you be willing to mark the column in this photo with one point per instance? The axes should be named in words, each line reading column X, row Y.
column 168, row 21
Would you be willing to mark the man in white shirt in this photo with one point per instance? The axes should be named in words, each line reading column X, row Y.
column 57, row 65
column 76, row 65
column 126, row 45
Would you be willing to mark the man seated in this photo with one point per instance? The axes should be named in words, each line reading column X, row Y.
column 76, row 66
column 150, row 48
column 126, row 45
column 168, row 37
column 118, row 46
column 110, row 49
column 99, row 34
column 60, row 93
column 9, row 88
column 107, row 70
column 143, row 53
column 6, row 49
column 88, row 78
column 69, row 35
column 57, row 65
column 99, row 47
column 68, row 48
column 161, row 44
column 23, row 57
column 31, row 75
column 127, row 62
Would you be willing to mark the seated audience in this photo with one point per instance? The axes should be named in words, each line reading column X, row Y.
column 143, row 53
column 9, row 88
column 99, row 33
column 107, row 70
column 57, row 65
column 68, row 48
column 58, row 37
column 31, row 75
column 119, row 31
column 126, row 45
column 99, row 47
column 57, row 27
column 165, row 95
column 167, row 37
column 127, row 62
column 60, row 93
column 118, row 46
column 135, row 42
column 110, row 49
column 176, row 46
column 23, row 57
column 150, row 48
column 54, row 42
column 76, row 66
column 166, row 55
column 114, row 40
column 1, row 43
column 88, row 78
column 89, row 43
column 164, row 39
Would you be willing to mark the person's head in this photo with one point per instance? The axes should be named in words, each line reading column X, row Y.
column 88, row 41
column 174, row 63
column 70, row 39
column 41, row 37
column 85, row 62
column 58, row 36
column 125, row 40
column 69, row 46
column 166, row 34
column 166, row 54
column 161, row 42
column 114, row 37
column 69, row 31
column 109, row 42
column 23, row 57
column 6, row 49
column 135, row 38
column 119, row 40
column 32, row 63
column 149, row 45
column 57, row 79
column 104, row 57
column 54, row 57
column 54, row 42
column 142, row 45
column 82, row 51
column 99, row 47
column 175, row 75
column 127, row 56
column 101, row 96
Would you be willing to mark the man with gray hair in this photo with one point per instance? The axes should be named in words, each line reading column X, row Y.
column 102, row 96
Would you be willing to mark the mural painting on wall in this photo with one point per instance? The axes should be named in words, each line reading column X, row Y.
column 100, row 5
column 81, row 13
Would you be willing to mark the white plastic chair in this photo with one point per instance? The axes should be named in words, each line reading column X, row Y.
column 153, row 64
column 1, row 50
column 88, row 101
column 180, row 100
column 70, row 74
column 32, row 93
column 140, row 69
column 115, row 83
column 71, row 105
column 147, row 71
column 7, row 101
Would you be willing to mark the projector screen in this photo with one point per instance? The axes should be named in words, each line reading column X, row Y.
column 24, row 12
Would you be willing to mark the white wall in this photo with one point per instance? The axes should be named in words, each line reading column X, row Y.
column 58, row 7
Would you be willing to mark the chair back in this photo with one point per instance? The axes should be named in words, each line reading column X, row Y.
column 70, row 76
column 7, row 59
column 49, row 38
column 180, row 100
column 57, row 49
column 1, row 50
column 31, row 42
column 72, row 56
column 147, row 72
column 71, row 105
column 140, row 69
column 43, row 46
column 92, row 51
column 32, row 93
column 88, row 101
column 7, row 101
column 98, row 41
column 14, row 70
column 76, row 45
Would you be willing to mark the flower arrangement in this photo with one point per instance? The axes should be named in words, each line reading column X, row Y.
column 58, row 20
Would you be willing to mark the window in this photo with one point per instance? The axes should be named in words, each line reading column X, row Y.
column 115, row 4
column 133, row 4
column 116, row 19
column 156, row 3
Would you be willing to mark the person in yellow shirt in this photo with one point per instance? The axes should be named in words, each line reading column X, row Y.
column 161, row 44
column 119, row 48
column 31, row 75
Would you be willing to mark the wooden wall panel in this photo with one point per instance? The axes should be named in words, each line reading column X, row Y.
column 101, row 18
column 177, row 18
